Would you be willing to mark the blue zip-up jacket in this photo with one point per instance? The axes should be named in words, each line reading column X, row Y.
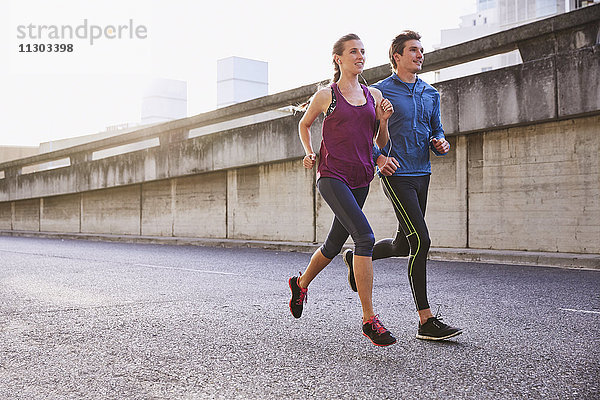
column 415, row 121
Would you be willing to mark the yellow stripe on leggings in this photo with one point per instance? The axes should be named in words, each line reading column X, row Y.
column 405, row 217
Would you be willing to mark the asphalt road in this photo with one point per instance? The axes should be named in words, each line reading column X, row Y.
column 93, row 320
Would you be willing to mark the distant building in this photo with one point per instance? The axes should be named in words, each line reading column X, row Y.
column 164, row 100
column 493, row 16
column 9, row 153
column 241, row 79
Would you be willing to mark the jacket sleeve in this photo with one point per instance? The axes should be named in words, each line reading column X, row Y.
column 376, row 154
column 436, row 123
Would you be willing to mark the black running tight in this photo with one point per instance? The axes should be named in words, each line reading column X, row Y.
column 349, row 219
column 408, row 194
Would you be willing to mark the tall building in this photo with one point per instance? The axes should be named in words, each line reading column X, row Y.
column 164, row 100
column 517, row 12
column 240, row 79
column 493, row 16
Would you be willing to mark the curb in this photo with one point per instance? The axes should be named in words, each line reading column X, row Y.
column 546, row 259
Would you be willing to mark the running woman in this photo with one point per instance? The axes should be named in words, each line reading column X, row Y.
column 404, row 169
column 344, row 172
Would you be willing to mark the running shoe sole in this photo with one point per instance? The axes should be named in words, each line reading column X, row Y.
column 290, row 284
column 292, row 298
column 424, row 337
column 380, row 345
column 351, row 278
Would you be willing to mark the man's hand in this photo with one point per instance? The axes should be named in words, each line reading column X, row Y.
column 441, row 145
column 387, row 165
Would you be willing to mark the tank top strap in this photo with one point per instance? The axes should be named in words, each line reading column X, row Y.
column 333, row 103
column 338, row 93
column 368, row 94
column 335, row 88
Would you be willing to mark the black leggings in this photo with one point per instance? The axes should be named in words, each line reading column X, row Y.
column 349, row 219
column 408, row 194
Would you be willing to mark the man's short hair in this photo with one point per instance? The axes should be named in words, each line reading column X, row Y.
column 397, row 45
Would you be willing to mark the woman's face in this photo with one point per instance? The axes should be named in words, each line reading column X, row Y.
column 353, row 58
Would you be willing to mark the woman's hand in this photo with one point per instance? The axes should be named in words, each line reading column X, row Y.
column 384, row 110
column 309, row 160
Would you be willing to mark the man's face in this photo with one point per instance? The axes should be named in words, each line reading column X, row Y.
column 411, row 59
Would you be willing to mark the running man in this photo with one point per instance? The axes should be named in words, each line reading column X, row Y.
column 404, row 169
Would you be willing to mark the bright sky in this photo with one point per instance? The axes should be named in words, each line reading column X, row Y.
column 48, row 96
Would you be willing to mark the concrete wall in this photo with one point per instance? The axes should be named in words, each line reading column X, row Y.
column 60, row 213
column 523, row 172
column 6, row 215
column 193, row 206
column 270, row 202
column 26, row 215
column 536, row 187
column 448, row 200
column 115, row 210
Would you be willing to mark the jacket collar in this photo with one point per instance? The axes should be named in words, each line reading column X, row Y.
column 396, row 78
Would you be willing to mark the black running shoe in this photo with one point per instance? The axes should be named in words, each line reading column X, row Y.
column 299, row 296
column 434, row 329
column 348, row 260
column 374, row 330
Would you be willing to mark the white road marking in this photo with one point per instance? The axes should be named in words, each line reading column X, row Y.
column 581, row 311
column 186, row 269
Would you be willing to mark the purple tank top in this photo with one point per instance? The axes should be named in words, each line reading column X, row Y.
column 347, row 146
